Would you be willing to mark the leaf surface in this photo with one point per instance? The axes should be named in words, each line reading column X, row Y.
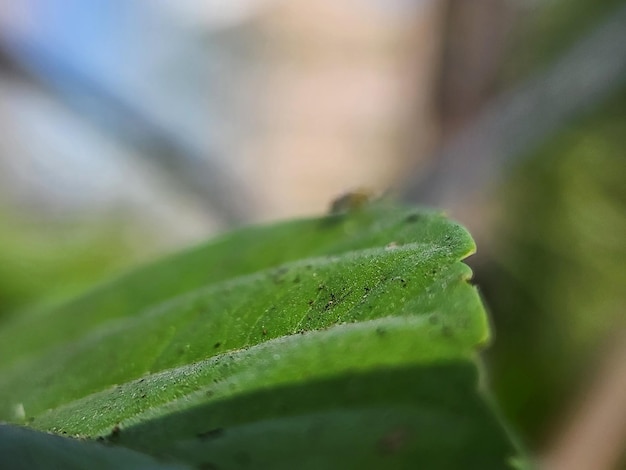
column 345, row 341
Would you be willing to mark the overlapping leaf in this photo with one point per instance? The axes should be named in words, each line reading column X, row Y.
column 346, row 341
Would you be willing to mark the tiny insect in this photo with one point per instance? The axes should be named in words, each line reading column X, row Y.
column 353, row 200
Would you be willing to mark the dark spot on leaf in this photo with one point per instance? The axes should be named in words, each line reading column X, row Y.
column 143, row 395
column 296, row 280
column 380, row 331
column 278, row 275
column 321, row 287
column 394, row 441
column 311, row 302
column 412, row 218
column 217, row 345
column 401, row 280
column 210, row 434
column 115, row 433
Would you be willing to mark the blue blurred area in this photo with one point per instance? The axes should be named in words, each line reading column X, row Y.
column 94, row 51
column 139, row 74
column 118, row 122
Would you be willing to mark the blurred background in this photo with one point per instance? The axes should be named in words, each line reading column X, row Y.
column 131, row 128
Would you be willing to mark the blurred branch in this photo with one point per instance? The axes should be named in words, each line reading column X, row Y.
column 475, row 41
column 191, row 169
column 514, row 123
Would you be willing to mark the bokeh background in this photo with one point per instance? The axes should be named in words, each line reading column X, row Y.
column 129, row 129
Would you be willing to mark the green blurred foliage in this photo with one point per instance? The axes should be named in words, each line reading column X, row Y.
column 556, row 284
column 555, row 280
column 43, row 260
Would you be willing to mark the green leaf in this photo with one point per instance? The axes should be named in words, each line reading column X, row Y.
column 24, row 449
column 243, row 252
column 345, row 341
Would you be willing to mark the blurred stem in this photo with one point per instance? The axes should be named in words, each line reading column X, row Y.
column 514, row 123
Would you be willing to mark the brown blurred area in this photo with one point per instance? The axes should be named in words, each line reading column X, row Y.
column 348, row 98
